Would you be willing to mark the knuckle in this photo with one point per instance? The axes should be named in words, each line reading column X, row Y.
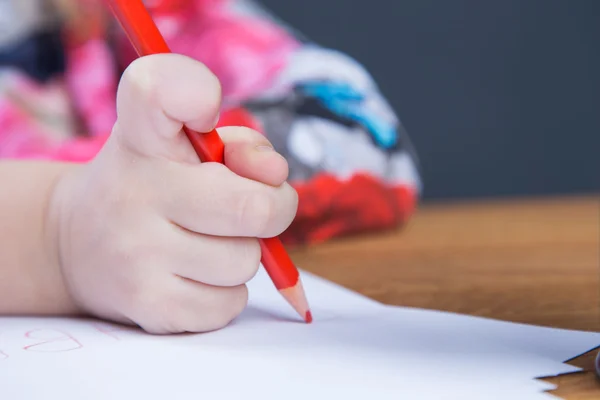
column 250, row 254
column 142, row 298
column 230, row 307
column 140, row 75
column 255, row 213
column 239, row 259
column 174, row 313
column 287, row 199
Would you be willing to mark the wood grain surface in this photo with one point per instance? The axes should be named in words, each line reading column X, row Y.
column 533, row 261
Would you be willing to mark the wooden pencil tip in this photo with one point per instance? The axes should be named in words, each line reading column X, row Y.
column 297, row 299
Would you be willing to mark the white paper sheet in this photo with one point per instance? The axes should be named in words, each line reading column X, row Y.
column 355, row 348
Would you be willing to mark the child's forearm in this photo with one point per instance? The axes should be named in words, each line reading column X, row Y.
column 30, row 276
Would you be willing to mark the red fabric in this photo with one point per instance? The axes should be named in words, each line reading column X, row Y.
column 329, row 207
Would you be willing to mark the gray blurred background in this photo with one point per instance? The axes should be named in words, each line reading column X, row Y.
column 501, row 98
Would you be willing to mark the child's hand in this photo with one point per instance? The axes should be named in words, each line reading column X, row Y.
column 150, row 236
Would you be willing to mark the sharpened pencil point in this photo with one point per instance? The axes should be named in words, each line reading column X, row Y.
column 308, row 317
column 295, row 296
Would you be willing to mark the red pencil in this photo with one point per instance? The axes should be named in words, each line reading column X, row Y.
column 144, row 35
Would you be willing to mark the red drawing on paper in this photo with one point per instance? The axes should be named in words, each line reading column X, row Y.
column 52, row 341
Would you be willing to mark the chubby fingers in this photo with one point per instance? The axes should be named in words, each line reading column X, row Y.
column 213, row 260
column 175, row 304
column 158, row 94
column 213, row 200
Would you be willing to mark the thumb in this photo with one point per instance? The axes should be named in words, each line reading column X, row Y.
column 157, row 95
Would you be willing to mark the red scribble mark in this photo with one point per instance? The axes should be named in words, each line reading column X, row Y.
column 109, row 330
column 54, row 341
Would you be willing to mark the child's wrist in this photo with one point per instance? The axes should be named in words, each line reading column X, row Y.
column 58, row 204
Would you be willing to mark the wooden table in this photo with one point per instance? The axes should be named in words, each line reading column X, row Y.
column 531, row 261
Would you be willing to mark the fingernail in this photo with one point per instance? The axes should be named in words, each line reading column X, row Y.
column 264, row 147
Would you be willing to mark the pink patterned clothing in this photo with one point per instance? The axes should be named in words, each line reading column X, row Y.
column 350, row 158
column 244, row 51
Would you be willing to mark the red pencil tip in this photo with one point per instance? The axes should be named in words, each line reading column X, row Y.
column 295, row 296
column 308, row 317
